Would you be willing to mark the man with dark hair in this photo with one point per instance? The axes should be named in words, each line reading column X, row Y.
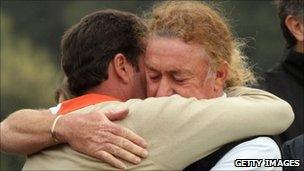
column 291, row 20
column 88, row 49
column 286, row 80
column 87, row 41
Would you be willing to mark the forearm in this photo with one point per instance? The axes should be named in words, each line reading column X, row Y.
column 262, row 110
column 208, row 124
column 27, row 131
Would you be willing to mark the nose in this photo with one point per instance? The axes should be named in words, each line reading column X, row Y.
column 164, row 88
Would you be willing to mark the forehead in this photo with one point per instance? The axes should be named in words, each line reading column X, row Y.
column 174, row 54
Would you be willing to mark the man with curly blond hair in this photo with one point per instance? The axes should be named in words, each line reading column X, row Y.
column 192, row 52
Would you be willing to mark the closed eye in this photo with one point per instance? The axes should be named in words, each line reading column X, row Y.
column 154, row 77
column 179, row 80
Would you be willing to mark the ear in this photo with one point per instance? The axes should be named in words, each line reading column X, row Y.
column 122, row 67
column 295, row 27
column 221, row 76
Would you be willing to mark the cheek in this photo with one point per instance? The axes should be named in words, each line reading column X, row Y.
column 151, row 88
column 185, row 91
column 207, row 91
column 143, row 81
column 192, row 89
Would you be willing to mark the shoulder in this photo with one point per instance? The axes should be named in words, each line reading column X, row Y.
column 174, row 101
column 273, row 76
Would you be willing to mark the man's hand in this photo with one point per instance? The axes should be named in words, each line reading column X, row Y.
column 95, row 135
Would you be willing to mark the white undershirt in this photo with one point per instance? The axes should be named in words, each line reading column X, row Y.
column 54, row 110
column 258, row 148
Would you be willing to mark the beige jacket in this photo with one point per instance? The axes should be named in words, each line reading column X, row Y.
column 180, row 130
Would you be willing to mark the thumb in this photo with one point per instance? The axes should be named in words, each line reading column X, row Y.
column 117, row 114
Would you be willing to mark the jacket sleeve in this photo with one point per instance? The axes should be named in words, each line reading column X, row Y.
column 180, row 130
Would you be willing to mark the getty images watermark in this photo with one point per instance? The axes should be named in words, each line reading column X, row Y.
column 267, row 163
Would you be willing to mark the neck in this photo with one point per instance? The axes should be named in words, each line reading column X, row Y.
column 109, row 89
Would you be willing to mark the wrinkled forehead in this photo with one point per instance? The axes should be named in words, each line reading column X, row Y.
column 174, row 54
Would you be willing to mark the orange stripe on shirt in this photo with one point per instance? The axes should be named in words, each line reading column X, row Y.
column 83, row 101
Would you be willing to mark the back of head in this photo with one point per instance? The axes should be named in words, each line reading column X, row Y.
column 89, row 46
column 294, row 8
column 197, row 22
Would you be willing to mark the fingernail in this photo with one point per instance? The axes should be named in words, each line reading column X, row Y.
column 145, row 153
column 145, row 144
column 137, row 160
column 122, row 166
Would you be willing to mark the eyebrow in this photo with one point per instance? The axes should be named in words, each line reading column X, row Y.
column 172, row 71
column 151, row 67
column 179, row 71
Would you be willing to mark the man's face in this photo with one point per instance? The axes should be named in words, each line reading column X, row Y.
column 174, row 67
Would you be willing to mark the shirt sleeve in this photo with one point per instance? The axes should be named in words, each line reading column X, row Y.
column 258, row 148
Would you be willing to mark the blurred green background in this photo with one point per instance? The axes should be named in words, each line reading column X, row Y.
column 30, row 41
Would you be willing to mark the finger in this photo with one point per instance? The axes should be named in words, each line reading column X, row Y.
column 130, row 147
column 110, row 159
column 117, row 114
column 122, row 153
column 130, row 135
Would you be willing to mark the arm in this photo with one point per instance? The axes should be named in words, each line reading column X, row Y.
column 181, row 131
column 28, row 131
column 189, row 129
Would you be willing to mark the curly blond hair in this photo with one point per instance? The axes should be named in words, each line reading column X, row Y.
column 198, row 22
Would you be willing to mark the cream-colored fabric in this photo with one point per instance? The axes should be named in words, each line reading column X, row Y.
column 180, row 131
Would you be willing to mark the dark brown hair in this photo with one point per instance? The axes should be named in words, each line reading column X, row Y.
column 89, row 46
